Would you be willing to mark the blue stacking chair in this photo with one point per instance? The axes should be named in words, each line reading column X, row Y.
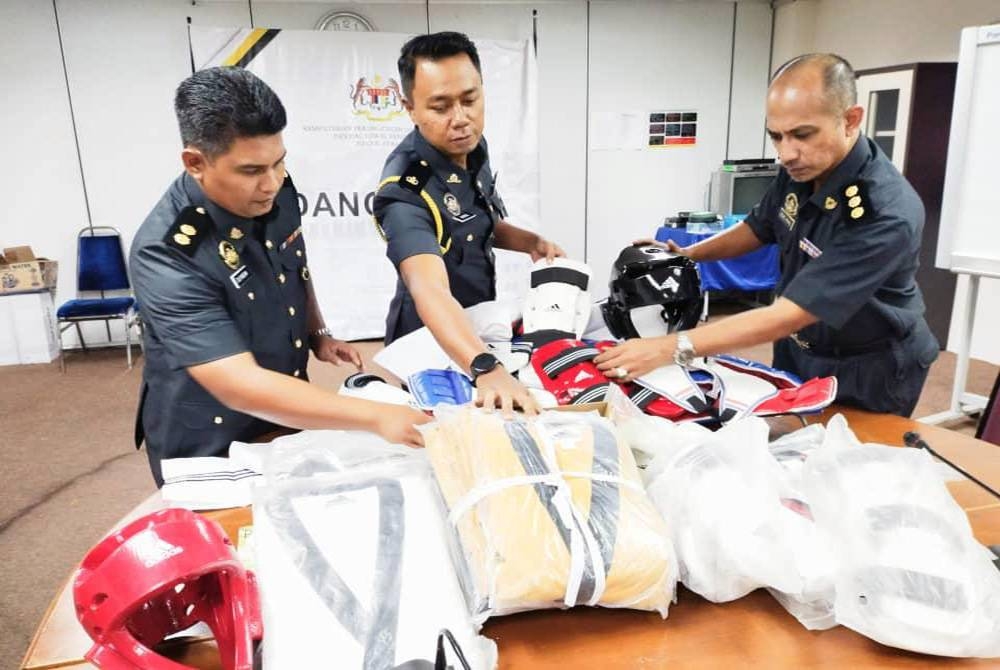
column 100, row 269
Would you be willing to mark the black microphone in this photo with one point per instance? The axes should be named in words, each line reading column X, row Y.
column 913, row 439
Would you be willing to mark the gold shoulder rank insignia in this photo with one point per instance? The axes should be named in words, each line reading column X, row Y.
column 857, row 212
column 416, row 176
column 188, row 230
column 235, row 233
column 830, row 203
column 453, row 179
column 851, row 190
column 854, row 202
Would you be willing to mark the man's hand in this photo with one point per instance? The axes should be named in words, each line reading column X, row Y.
column 498, row 389
column 546, row 249
column 634, row 358
column 669, row 245
column 332, row 350
column 396, row 423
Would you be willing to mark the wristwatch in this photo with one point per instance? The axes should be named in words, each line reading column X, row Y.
column 684, row 353
column 481, row 364
column 322, row 332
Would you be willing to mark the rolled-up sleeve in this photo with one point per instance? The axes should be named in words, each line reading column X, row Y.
column 185, row 308
column 857, row 263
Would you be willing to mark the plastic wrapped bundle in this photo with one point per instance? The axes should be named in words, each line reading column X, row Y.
column 722, row 496
column 912, row 575
column 354, row 566
column 549, row 512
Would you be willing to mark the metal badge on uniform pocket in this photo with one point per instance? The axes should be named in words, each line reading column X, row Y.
column 790, row 211
column 229, row 255
column 455, row 209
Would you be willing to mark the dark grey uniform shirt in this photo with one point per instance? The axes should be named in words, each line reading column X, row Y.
column 428, row 205
column 210, row 285
column 849, row 255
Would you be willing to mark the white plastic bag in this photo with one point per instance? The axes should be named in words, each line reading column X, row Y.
column 912, row 575
column 353, row 566
column 720, row 494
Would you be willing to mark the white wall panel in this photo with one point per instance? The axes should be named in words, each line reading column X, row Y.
column 750, row 75
column 124, row 60
column 43, row 194
column 644, row 57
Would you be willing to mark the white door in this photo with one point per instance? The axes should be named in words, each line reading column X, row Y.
column 886, row 98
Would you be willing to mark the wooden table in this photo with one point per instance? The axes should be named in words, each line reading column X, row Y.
column 753, row 631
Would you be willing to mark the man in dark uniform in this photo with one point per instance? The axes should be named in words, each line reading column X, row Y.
column 219, row 268
column 441, row 215
column 849, row 228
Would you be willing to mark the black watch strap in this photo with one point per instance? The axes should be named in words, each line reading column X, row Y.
column 483, row 364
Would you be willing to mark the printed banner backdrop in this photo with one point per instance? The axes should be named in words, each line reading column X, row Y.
column 345, row 114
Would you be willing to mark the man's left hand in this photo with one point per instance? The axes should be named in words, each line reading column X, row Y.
column 634, row 358
column 546, row 249
column 332, row 350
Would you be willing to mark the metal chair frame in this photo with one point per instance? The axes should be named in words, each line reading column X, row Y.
column 131, row 318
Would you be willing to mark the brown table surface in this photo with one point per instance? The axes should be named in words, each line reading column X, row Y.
column 752, row 631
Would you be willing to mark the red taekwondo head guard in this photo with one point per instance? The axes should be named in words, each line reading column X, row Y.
column 158, row 576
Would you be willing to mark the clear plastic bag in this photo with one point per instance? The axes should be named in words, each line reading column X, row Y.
column 549, row 512
column 353, row 560
column 911, row 573
column 720, row 494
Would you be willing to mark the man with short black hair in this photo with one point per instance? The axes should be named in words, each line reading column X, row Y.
column 849, row 227
column 219, row 269
column 440, row 213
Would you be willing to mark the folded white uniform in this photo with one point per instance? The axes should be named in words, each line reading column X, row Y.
column 354, row 569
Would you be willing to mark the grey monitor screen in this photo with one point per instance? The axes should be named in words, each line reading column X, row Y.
column 748, row 191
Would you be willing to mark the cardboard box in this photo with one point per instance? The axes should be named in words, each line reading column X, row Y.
column 21, row 272
column 18, row 255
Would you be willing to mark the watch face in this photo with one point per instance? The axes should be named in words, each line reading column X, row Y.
column 483, row 363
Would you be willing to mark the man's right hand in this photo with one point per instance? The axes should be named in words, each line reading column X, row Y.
column 498, row 389
column 396, row 423
column 669, row 245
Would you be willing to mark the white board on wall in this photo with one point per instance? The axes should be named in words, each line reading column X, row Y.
column 969, row 240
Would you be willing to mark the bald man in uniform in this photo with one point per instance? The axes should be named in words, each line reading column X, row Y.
column 848, row 226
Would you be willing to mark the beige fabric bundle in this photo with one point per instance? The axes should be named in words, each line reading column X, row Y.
column 549, row 512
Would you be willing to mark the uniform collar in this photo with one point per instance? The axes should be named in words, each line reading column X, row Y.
column 235, row 229
column 844, row 174
column 444, row 166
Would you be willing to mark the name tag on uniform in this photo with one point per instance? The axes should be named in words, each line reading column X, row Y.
column 811, row 249
column 240, row 276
